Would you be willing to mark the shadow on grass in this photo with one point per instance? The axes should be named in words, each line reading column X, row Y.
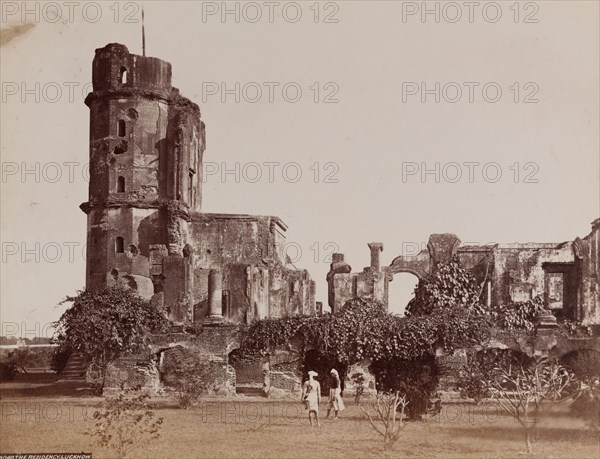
column 54, row 388
column 542, row 434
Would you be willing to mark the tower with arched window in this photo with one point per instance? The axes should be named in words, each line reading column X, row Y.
column 146, row 229
column 145, row 155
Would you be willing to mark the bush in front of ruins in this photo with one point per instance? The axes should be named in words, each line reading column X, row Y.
column 22, row 358
column 359, row 384
column 585, row 364
column 520, row 391
column 104, row 324
column 125, row 424
column 186, row 376
column 60, row 357
column 416, row 379
column 481, row 366
column 8, row 370
column 518, row 315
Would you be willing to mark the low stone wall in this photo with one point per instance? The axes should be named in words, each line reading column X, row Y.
column 284, row 383
column 281, row 376
column 129, row 372
column 211, row 345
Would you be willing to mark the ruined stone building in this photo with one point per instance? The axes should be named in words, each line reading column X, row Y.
column 565, row 274
column 146, row 229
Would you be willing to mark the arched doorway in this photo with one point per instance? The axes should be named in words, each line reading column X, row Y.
column 493, row 357
column 249, row 373
column 585, row 363
column 322, row 364
column 400, row 291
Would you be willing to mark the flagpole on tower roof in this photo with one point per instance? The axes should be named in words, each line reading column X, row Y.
column 143, row 34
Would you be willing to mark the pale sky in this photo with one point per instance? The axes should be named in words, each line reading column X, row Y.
column 372, row 62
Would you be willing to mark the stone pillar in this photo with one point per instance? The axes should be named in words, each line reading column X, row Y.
column 337, row 258
column 376, row 248
column 337, row 266
column 319, row 308
column 215, row 295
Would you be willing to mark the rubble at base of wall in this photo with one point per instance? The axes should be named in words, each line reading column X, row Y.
column 143, row 371
column 132, row 372
column 284, row 384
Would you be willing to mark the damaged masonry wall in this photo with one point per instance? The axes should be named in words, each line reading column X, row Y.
column 145, row 226
column 564, row 274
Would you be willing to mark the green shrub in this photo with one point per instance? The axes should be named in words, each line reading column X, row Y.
column 124, row 424
column 60, row 357
column 480, row 367
column 186, row 376
column 8, row 370
column 417, row 379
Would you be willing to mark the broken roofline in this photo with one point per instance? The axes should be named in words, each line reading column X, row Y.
column 241, row 217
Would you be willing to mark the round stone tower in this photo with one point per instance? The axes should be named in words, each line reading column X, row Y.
column 146, row 147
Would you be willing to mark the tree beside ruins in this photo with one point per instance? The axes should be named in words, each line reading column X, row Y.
column 105, row 324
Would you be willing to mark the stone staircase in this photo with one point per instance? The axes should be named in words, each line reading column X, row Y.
column 75, row 368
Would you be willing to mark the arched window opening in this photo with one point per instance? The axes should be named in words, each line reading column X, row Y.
column 191, row 186
column 121, row 128
column 123, row 75
column 401, row 291
column 121, row 184
column 119, row 245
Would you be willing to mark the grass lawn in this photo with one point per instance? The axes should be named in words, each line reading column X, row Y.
column 255, row 428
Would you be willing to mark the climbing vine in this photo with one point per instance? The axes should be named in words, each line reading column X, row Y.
column 572, row 328
column 448, row 287
column 518, row 315
column 362, row 329
column 445, row 314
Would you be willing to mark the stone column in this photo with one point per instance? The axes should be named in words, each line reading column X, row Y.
column 376, row 248
column 337, row 258
column 337, row 266
column 215, row 294
column 319, row 308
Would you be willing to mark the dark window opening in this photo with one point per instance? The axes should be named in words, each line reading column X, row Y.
column 177, row 177
column 121, row 184
column 123, row 75
column 119, row 150
column 121, row 128
column 560, row 293
column 226, row 302
column 119, row 245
